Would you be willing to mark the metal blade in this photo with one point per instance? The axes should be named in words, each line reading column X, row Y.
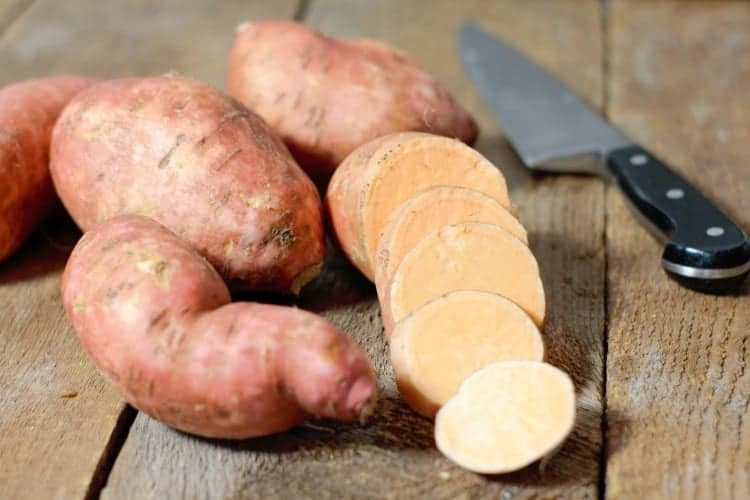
column 549, row 126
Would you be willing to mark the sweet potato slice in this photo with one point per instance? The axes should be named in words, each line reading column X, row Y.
column 506, row 416
column 439, row 345
column 373, row 182
column 430, row 210
column 470, row 255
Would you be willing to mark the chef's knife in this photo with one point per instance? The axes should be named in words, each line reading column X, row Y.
column 552, row 129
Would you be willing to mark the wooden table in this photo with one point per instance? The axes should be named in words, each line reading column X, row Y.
column 660, row 370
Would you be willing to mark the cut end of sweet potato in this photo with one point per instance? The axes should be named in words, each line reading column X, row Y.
column 428, row 211
column 470, row 255
column 506, row 416
column 408, row 163
column 442, row 343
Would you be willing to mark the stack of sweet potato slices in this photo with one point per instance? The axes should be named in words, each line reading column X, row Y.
column 430, row 221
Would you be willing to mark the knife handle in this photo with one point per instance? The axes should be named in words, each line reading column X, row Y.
column 705, row 249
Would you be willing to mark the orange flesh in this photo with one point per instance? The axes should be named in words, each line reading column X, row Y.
column 430, row 210
column 470, row 255
column 418, row 162
column 506, row 416
column 442, row 343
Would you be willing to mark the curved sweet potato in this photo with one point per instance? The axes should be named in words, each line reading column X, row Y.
column 28, row 111
column 327, row 96
column 197, row 161
column 430, row 210
column 375, row 180
column 156, row 319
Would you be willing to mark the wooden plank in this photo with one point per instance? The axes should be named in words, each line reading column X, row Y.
column 394, row 455
column 677, row 388
column 136, row 37
column 57, row 415
column 9, row 12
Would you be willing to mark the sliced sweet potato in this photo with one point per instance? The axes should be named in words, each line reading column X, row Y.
column 506, row 416
column 430, row 210
column 470, row 255
column 375, row 180
column 439, row 345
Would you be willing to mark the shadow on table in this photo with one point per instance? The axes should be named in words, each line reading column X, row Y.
column 45, row 252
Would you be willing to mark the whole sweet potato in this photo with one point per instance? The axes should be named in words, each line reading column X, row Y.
column 328, row 96
column 156, row 319
column 28, row 111
column 200, row 163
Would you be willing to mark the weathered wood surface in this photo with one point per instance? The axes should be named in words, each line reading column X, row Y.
column 677, row 388
column 675, row 75
column 57, row 415
column 394, row 455
column 10, row 10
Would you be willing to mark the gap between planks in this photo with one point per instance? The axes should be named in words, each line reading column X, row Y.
column 606, row 75
column 111, row 452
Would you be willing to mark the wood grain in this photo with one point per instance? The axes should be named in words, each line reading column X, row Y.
column 677, row 388
column 10, row 10
column 57, row 415
column 134, row 37
column 393, row 456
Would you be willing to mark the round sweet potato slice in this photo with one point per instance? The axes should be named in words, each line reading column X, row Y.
column 375, row 180
column 430, row 210
column 506, row 416
column 439, row 345
column 470, row 255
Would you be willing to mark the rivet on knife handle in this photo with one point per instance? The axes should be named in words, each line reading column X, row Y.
column 704, row 249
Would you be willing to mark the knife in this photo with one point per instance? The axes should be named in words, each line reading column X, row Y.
column 552, row 129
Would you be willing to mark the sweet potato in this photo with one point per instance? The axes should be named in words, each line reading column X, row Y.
column 436, row 347
column 197, row 161
column 156, row 319
column 374, row 181
column 470, row 255
column 506, row 416
column 430, row 210
column 326, row 97
column 28, row 111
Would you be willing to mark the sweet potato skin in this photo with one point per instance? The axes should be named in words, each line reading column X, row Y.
column 328, row 96
column 156, row 319
column 28, row 111
column 200, row 163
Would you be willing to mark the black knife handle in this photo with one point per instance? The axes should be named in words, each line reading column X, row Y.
column 704, row 249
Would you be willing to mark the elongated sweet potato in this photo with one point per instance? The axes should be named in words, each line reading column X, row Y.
column 436, row 347
column 197, row 161
column 28, row 111
column 156, row 319
column 374, row 181
column 470, row 255
column 326, row 96
column 430, row 210
column 506, row 416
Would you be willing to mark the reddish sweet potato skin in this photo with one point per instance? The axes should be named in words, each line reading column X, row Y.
column 328, row 96
column 200, row 163
column 156, row 319
column 28, row 111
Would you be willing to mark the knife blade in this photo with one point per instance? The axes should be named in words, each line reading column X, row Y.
column 551, row 128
